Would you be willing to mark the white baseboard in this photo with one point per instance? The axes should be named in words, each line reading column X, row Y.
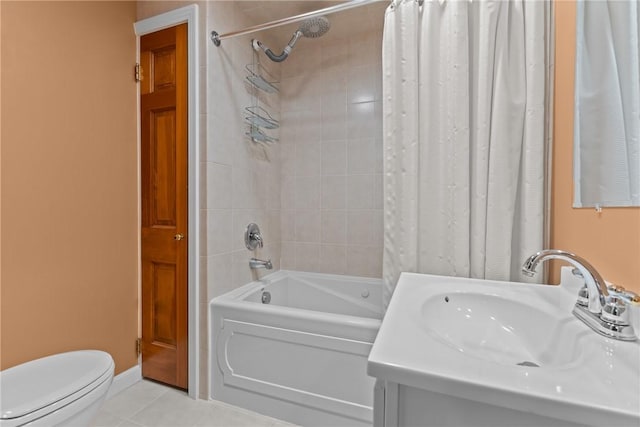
column 125, row 379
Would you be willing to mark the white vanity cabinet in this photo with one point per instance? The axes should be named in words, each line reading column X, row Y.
column 467, row 352
column 398, row 405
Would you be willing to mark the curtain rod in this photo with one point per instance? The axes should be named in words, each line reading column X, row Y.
column 217, row 38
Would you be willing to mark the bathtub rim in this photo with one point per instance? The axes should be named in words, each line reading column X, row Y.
column 235, row 300
column 242, row 291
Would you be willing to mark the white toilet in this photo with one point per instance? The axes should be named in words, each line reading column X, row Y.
column 65, row 389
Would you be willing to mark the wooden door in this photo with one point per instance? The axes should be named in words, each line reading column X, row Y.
column 163, row 116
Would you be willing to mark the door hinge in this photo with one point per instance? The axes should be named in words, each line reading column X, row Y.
column 137, row 72
column 138, row 346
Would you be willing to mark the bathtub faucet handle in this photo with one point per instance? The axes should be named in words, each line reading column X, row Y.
column 252, row 237
column 258, row 238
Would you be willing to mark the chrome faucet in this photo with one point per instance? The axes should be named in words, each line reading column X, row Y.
column 594, row 281
column 255, row 263
column 606, row 314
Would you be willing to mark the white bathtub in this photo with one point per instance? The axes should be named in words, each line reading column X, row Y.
column 303, row 356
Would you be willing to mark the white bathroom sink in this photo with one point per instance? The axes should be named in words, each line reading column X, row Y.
column 498, row 329
column 512, row 345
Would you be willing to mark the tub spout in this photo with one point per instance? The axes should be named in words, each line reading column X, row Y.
column 255, row 263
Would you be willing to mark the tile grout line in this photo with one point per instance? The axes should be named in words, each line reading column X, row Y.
column 130, row 419
column 164, row 392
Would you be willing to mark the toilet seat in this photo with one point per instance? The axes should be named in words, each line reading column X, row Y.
column 35, row 389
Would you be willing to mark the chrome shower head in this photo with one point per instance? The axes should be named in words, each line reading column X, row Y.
column 311, row 28
column 314, row 27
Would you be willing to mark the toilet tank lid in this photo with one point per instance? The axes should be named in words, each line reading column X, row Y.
column 39, row 383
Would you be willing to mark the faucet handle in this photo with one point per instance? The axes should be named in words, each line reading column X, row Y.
column 615, row 311
column 258, row 238
column 252, row 237
column 616, row 288
column 583, row 296
column 628, row 296
column 633, row 297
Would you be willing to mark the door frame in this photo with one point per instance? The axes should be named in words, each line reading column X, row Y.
column 188, row 14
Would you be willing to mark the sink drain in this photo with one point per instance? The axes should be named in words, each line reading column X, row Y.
column 527, row 363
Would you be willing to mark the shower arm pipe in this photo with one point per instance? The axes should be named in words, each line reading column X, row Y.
column 217, row 38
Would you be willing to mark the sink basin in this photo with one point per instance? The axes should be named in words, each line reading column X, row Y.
column 499, row 330
column 510, row 345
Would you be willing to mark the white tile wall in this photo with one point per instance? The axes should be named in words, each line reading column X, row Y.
column 243, row 179
column 332, row 155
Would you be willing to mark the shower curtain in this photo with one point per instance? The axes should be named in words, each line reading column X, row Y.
column 465, row 108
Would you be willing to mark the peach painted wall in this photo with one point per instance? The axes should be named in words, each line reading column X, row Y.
column 610, row 239
column 69, row 180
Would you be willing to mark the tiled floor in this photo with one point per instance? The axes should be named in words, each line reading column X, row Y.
column 153, row 405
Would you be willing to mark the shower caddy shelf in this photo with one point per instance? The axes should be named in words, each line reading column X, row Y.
column 255, row 77
column 258, row 117
column 257, row 135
